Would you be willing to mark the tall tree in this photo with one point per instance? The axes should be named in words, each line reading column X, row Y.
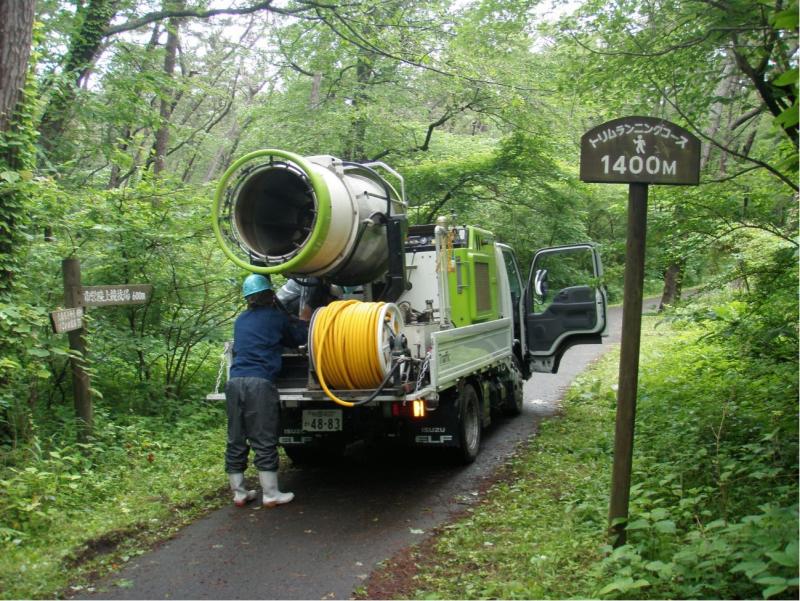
column 168, row 98
column 723, row 68
column 16, row 27
column 92, row 19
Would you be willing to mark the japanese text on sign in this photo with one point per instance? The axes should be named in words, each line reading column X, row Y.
column 115, row 295
column 626, row 129
column 640, row 149
column 66, row 320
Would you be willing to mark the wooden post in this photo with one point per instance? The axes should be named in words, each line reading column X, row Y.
column 628, row 361
column 71, row 268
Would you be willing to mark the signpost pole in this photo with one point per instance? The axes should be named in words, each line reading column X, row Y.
column 629, row 360
column 71, row 269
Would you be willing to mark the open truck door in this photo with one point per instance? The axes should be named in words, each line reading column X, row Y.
column 566, row 303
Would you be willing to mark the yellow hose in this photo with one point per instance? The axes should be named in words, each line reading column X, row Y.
column 344, row 345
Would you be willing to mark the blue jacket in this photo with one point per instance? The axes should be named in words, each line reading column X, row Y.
column 259, row 335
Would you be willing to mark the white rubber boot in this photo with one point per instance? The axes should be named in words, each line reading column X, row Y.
column 272, row 496
column 240, row 494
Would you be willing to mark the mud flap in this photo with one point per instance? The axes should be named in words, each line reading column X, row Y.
column 439, row 429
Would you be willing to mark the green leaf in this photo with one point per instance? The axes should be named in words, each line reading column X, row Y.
column 750, row 568
column 771, row 580
column 38, row 352
column 773, row 590
column 783, row 558
column 638, row 525
column 621, row 585
column 659, row 513
column 666, row 527
column 788, row 117
column 786, row 78
column 787, row 19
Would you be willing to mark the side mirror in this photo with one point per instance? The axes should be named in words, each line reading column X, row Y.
column 540, row 286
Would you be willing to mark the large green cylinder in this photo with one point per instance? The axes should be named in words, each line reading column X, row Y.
column 306, row 216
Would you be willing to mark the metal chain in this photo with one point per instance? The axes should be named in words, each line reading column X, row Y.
column 425, row 367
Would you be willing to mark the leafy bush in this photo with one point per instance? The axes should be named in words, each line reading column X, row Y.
column 135, row 476
column 714, row 510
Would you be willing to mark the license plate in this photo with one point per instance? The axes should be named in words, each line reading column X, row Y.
column 322, row 420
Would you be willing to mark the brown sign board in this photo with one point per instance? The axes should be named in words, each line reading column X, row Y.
column 66, row 320
column 123, row 294
column 640, row 150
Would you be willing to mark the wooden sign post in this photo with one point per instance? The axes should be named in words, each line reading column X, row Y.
column 638, row 151
column 71, row 268
column 70, row 320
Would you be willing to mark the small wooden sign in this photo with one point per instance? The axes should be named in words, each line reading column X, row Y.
column 66, row 320
column 123, row 294
column 640, row 150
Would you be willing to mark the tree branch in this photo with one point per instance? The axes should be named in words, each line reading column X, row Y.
column 747, row 116
column 205, row 14
column 358, row 40
column 784, row 178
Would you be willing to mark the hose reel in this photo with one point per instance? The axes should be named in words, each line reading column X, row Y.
column 351, row 346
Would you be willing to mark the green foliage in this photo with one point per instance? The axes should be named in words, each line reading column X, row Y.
column 714, row 508
column 138, row 476
column 481, row 114
column 21, row 344
column 714, row 503
column 154, row 233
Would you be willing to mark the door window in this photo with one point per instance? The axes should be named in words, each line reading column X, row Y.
column 566, row 275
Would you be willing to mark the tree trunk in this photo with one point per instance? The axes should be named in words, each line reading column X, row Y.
column 16, row 26
column 116, row 178
column 724, row 89
column 358, row 129
column 316, row 82
column 16, row 138
column 673, row 284
column 167, row 99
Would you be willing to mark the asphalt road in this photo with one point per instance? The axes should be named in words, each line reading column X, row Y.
column 344, row 519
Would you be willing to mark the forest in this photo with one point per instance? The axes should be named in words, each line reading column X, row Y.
column 118, row 117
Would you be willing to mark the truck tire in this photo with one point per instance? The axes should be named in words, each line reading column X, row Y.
column 469, row 425
column 513, row 402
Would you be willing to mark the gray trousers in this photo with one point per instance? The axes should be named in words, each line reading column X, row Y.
column 253, row 421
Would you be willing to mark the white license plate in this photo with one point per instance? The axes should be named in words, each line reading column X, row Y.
column 322, row 420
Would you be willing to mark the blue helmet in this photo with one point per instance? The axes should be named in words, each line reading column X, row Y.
column 255, row 283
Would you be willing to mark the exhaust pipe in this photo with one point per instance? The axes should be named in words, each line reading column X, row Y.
column 277, row 212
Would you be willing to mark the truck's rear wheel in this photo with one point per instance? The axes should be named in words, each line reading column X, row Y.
column 469, row 425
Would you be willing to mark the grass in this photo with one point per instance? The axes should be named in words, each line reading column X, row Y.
column 538, row 532
column 714, row 502
column 70, row 516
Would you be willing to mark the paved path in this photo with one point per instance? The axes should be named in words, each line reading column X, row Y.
column 344, row 519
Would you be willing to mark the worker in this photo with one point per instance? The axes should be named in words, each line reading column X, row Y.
column 259, row 335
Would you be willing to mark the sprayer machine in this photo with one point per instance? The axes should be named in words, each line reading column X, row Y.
column 436, row 328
